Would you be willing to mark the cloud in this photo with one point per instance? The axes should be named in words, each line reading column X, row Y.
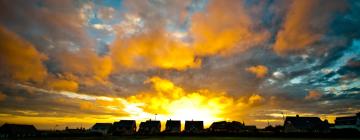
column 305, row 23
column 63, row 85
column 20, row 99
column 222, row 29
column 86, row 105
column 351, row 67
column 225, row 27
column 2, row 96
column 87, row 66
column 152, row 46
column 255, row 99
column 106, row 13
column 153, row 50
column 260, row 70
column 19, row 59
column 313, row 95
column 278, row 75
column 56, row 21
column 59, row 31
column 158, row 13
column 62, row 104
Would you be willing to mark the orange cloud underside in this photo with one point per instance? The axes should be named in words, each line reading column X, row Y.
column 297, row 35
column 260, row 71
column 155, row 48
column 19, row 59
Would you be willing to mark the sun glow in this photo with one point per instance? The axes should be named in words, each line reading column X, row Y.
column 190, row 109
column 169, row 101
column 165, row 101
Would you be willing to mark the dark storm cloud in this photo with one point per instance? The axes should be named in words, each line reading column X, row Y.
column 352, row 67
column 46, row 21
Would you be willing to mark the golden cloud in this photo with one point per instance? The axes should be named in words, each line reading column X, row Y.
column 305, row 23
column 19, row 60
column 313, row 95
column 222, row 29
column 260, row 70
column 86, row 67
column 86, row 105
column 153, row 49
column 60, row 84
column 2, row 96
column 255, row 99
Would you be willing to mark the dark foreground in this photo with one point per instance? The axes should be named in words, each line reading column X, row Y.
column 178, row 138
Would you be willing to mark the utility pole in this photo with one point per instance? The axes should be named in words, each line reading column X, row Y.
column 55, row 127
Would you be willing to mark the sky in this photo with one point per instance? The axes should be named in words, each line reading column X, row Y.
column 75, row 63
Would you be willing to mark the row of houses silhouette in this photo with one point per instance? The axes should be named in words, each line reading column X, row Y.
column 292, row 124
column 305, row 124
column 299, row 124
column 152, row 127
column 149, row 127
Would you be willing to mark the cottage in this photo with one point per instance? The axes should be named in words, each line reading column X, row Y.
column 124, row 127
column 17, row 130
column 173, row 126
column 150, row 127
column 101, row 128
column 194, row 126
column 227, row 127
column 349, row 122
column 305, row 125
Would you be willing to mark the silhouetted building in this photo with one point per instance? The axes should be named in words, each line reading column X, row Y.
column 17, row 130
column 194, row 126
column 276, row 129
column 349, row 122
column 305, row 125
column 101, row 128
column 250, row 128
column 150, row 127
column 74, row 130
column 124, row 127
column 227, row 127
column 173, row 126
